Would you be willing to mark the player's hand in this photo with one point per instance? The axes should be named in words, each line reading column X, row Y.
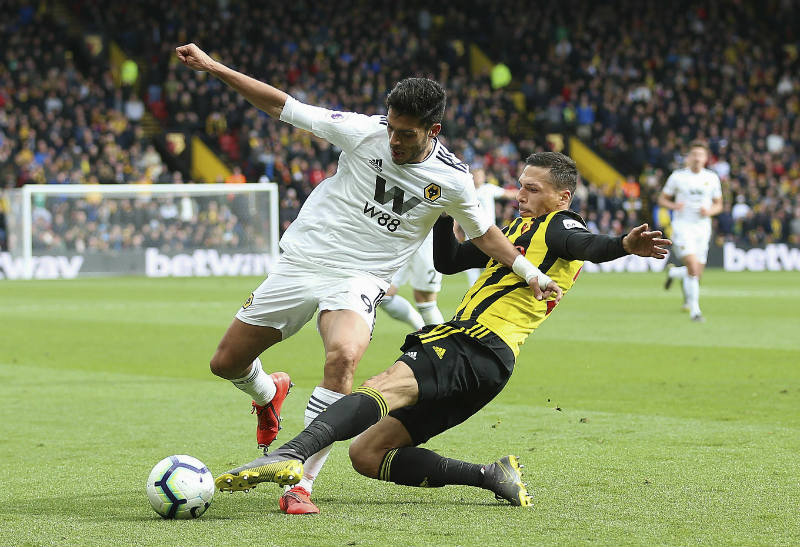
column 642, row 242
column 704, row 212
column 551, row 289
column 194, row 57
column 678, row 206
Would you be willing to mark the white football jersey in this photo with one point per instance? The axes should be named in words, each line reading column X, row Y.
column 694, row 190
column 373, row 214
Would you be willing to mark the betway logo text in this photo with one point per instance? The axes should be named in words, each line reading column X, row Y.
column 203, row 263
column 629, row 263
column 774, row 257
column 40, row 267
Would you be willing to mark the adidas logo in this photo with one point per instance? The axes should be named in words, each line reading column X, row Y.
column 412, row 354
column 377, row 164
column 439, row 351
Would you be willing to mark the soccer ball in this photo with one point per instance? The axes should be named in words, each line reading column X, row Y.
column 180, row 487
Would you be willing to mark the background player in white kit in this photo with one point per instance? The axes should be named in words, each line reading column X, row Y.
column 420, row 273
column 355, row 230
column 487, row 194
column 694, row 194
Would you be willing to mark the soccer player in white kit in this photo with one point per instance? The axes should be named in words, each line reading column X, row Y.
column 487, row 194
column 355, row 230
column 694, row 194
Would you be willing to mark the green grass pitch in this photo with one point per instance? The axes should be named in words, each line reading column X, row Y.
column 637, row 426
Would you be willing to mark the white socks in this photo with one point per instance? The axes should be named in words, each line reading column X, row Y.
column 257, row 383
column 401, row 309
column 472, row 275
column 320, row 399
column 678, row 271
column 430, row 313
column 693, row 295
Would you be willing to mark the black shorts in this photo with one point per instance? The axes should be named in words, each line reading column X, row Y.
column 457, row 374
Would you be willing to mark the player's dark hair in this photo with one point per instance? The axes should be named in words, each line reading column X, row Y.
column 420, row 98
column 698, row 144
column 563, row 171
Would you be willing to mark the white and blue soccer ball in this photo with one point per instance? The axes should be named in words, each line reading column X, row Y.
column 180, row 487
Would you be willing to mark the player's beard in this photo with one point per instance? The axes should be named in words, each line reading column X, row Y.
column 415, row 154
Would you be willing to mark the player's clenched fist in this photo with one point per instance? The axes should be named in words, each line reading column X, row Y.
column 194, row 57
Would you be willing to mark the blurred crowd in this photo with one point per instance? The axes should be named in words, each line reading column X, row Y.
column 171, row 223
column 62, row 120
column 635, row 80
column 640, row 80
column 340, row 55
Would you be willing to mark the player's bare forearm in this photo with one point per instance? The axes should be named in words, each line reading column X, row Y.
column 666, row 201
column 261, row 95
column 496, row 245
column 715, row 209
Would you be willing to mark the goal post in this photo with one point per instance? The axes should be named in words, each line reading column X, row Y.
column 157, row 230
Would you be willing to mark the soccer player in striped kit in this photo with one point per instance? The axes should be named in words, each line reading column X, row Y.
column 449, row 372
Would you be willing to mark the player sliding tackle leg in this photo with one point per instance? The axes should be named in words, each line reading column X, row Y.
column 384, row 451
column 359, row 227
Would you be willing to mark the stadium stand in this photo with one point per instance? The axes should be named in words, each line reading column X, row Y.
column 639, row 80
column 635, row 90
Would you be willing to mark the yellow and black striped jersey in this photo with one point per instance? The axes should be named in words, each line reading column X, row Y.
column 500, row 301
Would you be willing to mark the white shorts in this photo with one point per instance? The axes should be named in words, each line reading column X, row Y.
column 293, row 292
column 691, row 239
column 419, row 271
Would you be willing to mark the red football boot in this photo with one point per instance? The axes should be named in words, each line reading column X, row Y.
column 297, row 501
column 269, row 415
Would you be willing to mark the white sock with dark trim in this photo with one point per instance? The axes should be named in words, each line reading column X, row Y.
column 320, row 399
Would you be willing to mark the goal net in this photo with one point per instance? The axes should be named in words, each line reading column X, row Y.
column 62, row 231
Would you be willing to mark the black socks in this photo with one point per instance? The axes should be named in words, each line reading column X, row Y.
column 342, row 420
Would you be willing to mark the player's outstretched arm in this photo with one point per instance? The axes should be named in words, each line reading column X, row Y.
column 569, row 239
column 262, row 96
column 640, row 241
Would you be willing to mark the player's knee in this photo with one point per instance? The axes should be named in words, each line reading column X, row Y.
column 364, row 459
column 221, row 365
column 384, row 383
column 343, row 356
column 218, row 367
